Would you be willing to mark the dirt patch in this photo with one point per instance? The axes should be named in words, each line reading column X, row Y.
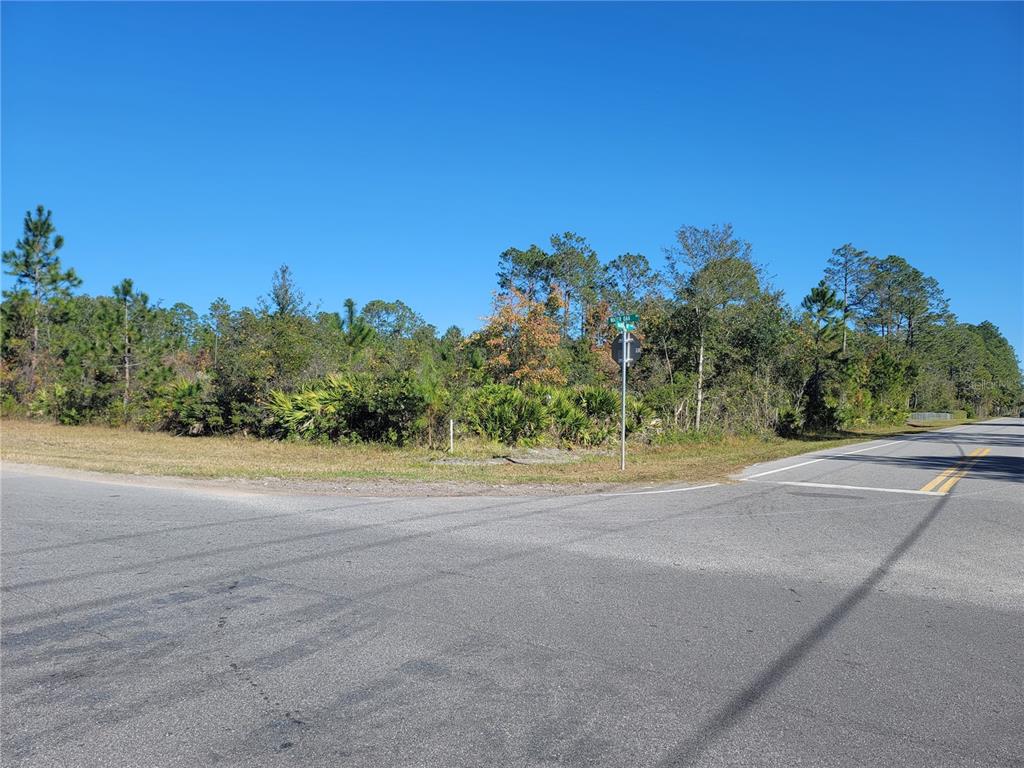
column 519, row 456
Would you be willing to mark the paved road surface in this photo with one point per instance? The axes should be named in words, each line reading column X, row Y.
column 822, row 613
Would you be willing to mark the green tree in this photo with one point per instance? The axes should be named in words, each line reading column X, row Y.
column 124, row 294
column 1004, row 368
column 530, row 272
column 577, row 273
column 358, row 333
column 847, row 274
column 899, row 301
column 820, row 334
column 567, row 279
column 286, row 300
column 391, row 319
column 710, row 270
column 433, row 394
column 39, row 278
column 630, row 282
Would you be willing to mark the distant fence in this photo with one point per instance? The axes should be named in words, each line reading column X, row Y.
column 930, row 416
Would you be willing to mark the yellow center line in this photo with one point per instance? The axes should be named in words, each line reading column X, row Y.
column 955, row 477
column 930, row 486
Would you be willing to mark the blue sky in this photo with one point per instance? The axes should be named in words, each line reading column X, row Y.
column 394, row 150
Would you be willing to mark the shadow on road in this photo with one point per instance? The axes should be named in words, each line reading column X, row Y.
column 732, row 711
column 1008, row 469
column 991, row 435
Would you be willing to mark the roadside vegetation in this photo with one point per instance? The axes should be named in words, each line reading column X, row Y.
column 130, row 451
column 726, row 363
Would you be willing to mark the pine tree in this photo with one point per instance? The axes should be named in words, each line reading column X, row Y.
column 846, row 273
column 819, row 332
column 124, row 293
column 39, row 279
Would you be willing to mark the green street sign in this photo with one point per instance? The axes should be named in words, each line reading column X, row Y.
column 619, row 320
column 624, row 326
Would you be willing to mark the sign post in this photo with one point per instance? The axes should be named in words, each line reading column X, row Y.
column 622, row 442
column 625, row 350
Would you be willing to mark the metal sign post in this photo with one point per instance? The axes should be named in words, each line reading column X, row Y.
column 622, row 446
column 629, row 352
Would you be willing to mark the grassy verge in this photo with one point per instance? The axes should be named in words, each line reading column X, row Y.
column 127, row 451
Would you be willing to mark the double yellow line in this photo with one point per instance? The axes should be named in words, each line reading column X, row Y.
column 951, row 476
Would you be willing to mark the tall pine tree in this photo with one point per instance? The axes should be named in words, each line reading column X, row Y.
column 39, row 279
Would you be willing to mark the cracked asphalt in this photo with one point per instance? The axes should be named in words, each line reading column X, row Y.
column 822, row 610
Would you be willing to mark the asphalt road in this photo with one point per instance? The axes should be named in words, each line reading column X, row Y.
column 824, row 612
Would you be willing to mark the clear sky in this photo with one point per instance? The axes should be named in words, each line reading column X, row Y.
column 393, row 151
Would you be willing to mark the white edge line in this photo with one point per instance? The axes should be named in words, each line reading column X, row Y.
column 872, row 447
column 855, row 487
column 823, row 458
column 783, row 469
column 665, row 490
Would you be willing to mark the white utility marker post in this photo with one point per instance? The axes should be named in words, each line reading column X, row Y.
column 451, row 435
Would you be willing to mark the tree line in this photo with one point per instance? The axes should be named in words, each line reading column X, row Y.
column 872, row 340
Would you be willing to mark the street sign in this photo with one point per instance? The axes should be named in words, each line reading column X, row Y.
column 631, row 349
column 619, row 320
column 625, row 351
column 623, row 318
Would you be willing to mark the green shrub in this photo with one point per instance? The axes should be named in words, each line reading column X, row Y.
column 855, row 409
column 569, row 422
column 575, row 416
column 60, row 403
column 663, row 402
column 10, row 407
column 508, row 415
column 187, row 407
column 599, row 404
column 638, row 414
column 889, row 380
column 789, row 423
column 351, row 409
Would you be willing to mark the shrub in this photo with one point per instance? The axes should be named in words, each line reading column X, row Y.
column 357, row 408
column 10, row 407
column 506, row 414
column 889, row 380
column 599, row 404
column 855, row 409
column 577, row 416
column 789, row 423
column 187, row 407
column 569, row 421
column 387, row 409
column 59, row 403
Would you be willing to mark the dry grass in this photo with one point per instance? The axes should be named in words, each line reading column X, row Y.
column 128, row 451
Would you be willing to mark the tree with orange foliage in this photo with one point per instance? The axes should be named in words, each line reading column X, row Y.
column 522, row 338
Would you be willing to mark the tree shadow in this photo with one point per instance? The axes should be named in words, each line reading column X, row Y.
column 991, row 434
column 1007, row 469
column 733, row 710
column 974, row 437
